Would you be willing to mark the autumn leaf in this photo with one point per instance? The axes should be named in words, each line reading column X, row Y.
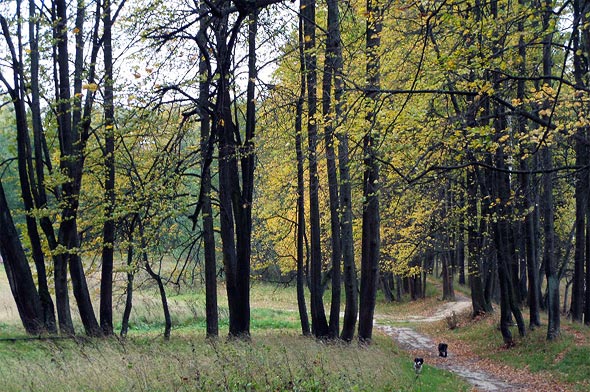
column 90, row 87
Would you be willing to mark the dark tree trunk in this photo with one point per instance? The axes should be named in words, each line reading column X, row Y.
column 587, row 296
column 386, row 285
column 243, row 206
column 235, row 201
column 18, row 271
column 507, row 255
column 73, row 134
column 447, row 255
column 447, row 278
column 330, row 121
column 532, row 264
column 505, row 319
column 580, row 52
column 129, row 288
column 460, row 246
column 211, row 309
column 581, row 195
column 550, row 256
column 319, row 323
column 162, row 290
column 305, row 329
column 37, row 176
column 474, row 245
column 24, row 155
column 371, row 240
column 158, row 278
column 108, row 232
column 346, row 218
column 553, row 327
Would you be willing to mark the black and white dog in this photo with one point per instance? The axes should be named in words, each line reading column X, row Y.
column 418, row 362
column 442, row 350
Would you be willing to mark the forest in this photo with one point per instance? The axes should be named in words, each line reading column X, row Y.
column 356, row 154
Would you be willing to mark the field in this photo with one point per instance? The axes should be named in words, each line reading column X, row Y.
column 277, row 358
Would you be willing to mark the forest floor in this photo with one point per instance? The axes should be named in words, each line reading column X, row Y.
column 413, row 334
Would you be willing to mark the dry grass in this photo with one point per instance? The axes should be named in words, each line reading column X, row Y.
column 277, row 358
column 270, row 362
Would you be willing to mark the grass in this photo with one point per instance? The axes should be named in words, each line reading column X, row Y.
column 276, row 359
column 270, row 362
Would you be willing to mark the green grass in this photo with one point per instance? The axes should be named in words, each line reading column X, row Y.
column 188, row 362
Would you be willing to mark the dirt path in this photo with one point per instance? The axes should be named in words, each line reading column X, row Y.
column 423, row 346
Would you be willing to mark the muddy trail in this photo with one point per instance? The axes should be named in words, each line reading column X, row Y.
column 471, row 369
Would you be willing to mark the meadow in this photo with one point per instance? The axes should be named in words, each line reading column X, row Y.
column 277, row 358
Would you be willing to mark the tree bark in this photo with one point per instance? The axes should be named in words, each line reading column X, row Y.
column 72, row 144
column 108, row 232
column 129, row 288
column 580, row 53
column 553, row 327
column 371, row 217
column 305, row 329
column 211, row 307
column 24, row 155
column 18, row 271
column 320, row 327
column 330, row 123
column 346, row 232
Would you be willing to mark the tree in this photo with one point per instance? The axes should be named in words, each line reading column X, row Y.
column 106, row 279
column 207, row 215
column 371, row 217
column 19, row 274
column 17, row 94
column 580, row 49
column 301, row 304
column 553, row 326
column 319, row 324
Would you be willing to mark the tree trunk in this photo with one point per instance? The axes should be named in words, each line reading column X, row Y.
column 211, row 307
column 447, row 278
column 18, row 272
column 108, row 232
column 162, row 290
column 550, row 256
column 24, row 156
column 129, row 289
column 346, row 218
column 587, row 296
column 319, row 324
column 371, row 240
column 72, row 144
column 534, row 287
column 580, row 53
column 235, row 201
column 305, row 329
column 330, row 123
